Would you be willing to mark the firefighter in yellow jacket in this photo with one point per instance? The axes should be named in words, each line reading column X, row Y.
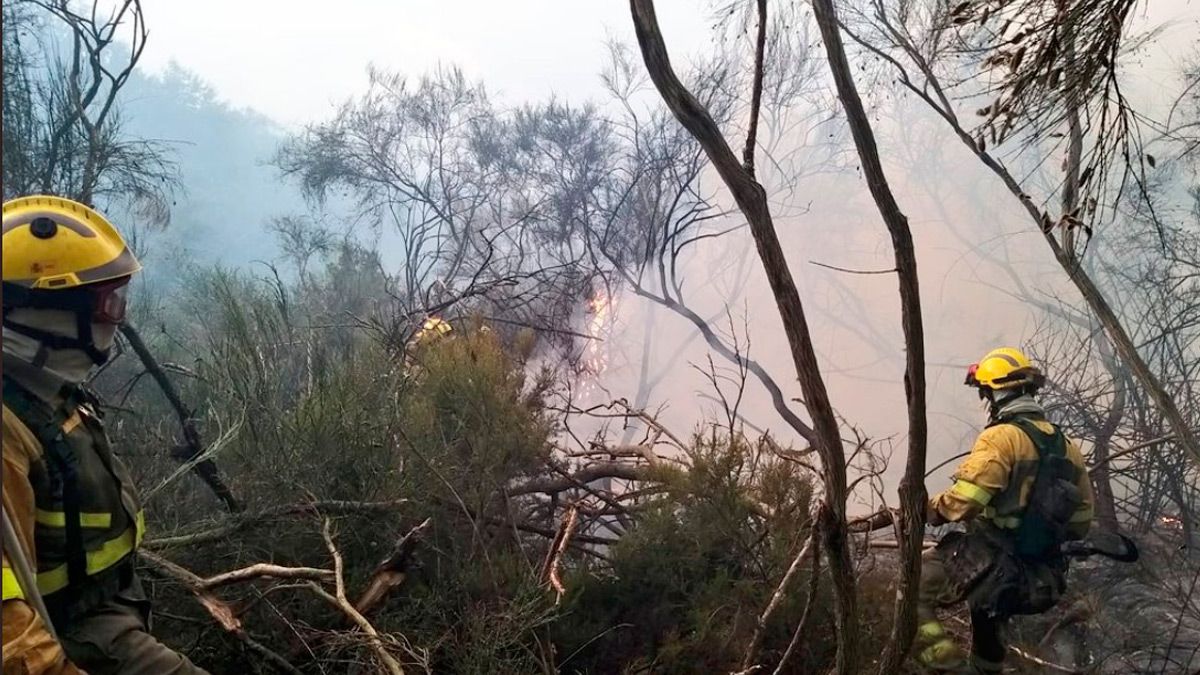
column 1021, row 492
column 69, row 502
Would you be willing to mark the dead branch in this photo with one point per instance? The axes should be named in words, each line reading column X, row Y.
column 1130, row 450
column 340, row 602
column 802, row 626
column 392, row 571
column 875, row 521
column 550, row 567
column 217, row 608
column 773, row 604
column 265, row 571
column 206, row 469
column 1042, row 662
column 587, row 474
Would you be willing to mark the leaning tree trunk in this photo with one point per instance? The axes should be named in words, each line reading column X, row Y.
column 751, row 198
column 912, row 486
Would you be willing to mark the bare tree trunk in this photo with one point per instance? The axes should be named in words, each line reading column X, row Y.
column 752, row 200
column 912, row 486
column 1101, row 475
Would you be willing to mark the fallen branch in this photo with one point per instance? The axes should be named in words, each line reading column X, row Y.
column 392, row 571
column 875, row 521
column 265, row 571
column 341, row 603
column 1044, row 663
column 206, row 469
column 218, row 609
column 802, row 625
column 550, row 567
column 585, row 475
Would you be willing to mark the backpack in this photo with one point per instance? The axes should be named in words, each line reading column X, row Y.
column 1054, row 497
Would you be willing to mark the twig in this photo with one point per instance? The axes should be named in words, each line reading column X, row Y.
column 850, row 271
column 773, row 604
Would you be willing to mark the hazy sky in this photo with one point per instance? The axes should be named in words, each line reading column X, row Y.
column 295, row 60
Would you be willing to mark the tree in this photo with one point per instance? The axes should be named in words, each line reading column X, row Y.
column 485, row 204
column 62, row 123
column 825, row 434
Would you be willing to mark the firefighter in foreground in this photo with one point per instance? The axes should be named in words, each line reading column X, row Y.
column 1022, row 492
column 72, row 599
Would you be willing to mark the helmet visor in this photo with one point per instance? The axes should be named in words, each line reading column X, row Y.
column 109, row 301
column 971, row 379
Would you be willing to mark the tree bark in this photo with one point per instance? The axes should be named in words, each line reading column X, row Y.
column 912, row 487
column 751, row 198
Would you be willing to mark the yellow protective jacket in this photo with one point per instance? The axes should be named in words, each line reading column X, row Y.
column 111, row 526
column 995, row 480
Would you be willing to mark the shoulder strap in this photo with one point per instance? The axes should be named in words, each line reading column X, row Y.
column 1053, row 443
column 48, row 428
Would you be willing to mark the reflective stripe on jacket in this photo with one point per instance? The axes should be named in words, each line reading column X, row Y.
column 994, row 481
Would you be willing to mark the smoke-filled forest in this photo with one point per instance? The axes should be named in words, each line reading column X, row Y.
column 645, row 358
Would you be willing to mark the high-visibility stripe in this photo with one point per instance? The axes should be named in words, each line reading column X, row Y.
column 59, row 519
column 930, row 630
column 1083, row 515
column 972, row 491
column 12, row 587
column 112, row 552
column 1007, row 522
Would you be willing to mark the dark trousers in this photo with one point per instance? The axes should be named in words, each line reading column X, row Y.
column 114, row 639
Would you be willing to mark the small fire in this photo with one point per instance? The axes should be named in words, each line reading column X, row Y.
column 601, row 315
column 1171, row 522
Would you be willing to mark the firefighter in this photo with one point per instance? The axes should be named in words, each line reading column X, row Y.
column 1021, row 492
column 72, row 599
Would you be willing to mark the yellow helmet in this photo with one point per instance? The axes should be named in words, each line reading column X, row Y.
column 432, row 328
column 62, row 255
column 56, row 243
column 1004, row 368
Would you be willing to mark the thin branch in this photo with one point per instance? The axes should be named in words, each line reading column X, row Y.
column 760, row 50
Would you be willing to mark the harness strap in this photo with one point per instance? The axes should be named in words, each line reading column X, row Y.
column 64, row 463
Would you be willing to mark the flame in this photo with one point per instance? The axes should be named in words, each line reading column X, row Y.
column 600, row 323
